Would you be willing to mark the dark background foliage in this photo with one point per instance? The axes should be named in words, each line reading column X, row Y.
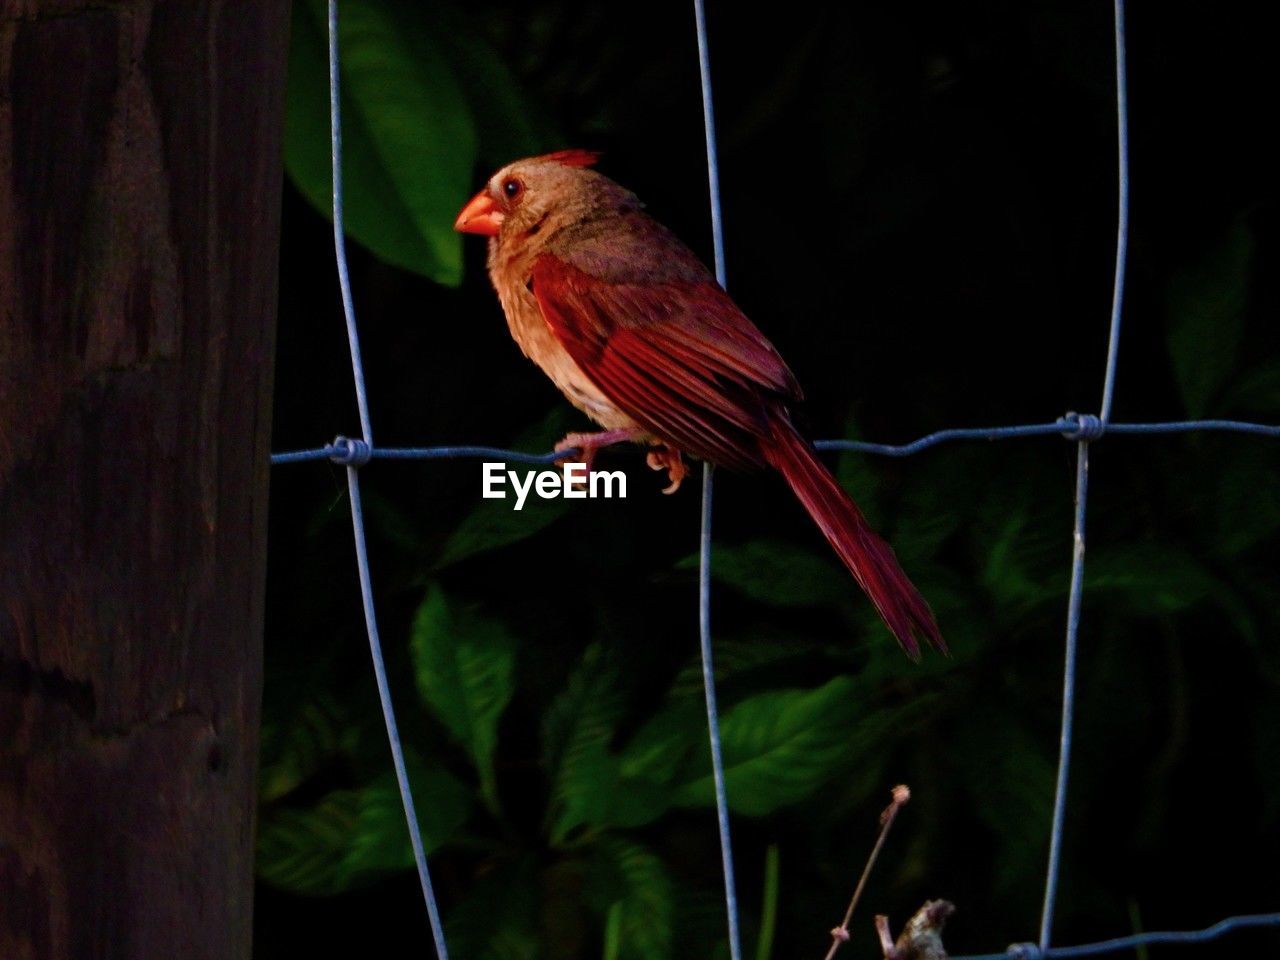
column 919, row 207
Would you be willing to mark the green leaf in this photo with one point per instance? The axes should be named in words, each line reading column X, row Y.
column 1204, row 308
column 381, row 840
column 464, row 665
column 926, row 515
column 408, row 139
column 1161, row 580
column 1011, row 781
column 303, row 850
column 665, row 744
column 1023, row 568
column 857, row 475
column 494, row 523
column 350, row 836
column 779, row 747
column 576, row 733
column 768, row 904
column 613, row 933
column 760, row 650
column 777, row 573
column 393, row 524
column 1247, row 502
column 291, row 753
column 587, row 789
column 507, row 124
column 630, row 887
column 498, row 920
column 1256, row 391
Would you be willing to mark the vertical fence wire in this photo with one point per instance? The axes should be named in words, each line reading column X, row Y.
column 709, row 129
column 1122, row 212
column 1090, row 429
column 1068, row 694
column 339, row 234
column 713, row 716
column 359, row 454
column 704, row 556
column 389, row 716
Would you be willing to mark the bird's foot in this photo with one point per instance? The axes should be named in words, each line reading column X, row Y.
column 582, row 447
column 665, row 458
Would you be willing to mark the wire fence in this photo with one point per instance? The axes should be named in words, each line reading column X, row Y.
column 1082, row 429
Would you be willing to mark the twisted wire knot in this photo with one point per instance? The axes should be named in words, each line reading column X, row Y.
column 1081, row 426
column 1026, row 951
column 350, row 452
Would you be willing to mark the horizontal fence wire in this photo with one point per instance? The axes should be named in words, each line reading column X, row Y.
column 344, row 450
column 1030, row 951
column 1082, row 429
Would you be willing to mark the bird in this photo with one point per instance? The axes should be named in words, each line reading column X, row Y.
column 635, row 331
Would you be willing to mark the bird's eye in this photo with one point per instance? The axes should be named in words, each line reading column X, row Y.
column 512, row 188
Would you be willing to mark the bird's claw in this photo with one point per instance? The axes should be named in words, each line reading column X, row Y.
column 582, row 448
column 578, row 448
column 664, row 458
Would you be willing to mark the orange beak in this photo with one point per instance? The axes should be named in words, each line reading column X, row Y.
column 480, row 216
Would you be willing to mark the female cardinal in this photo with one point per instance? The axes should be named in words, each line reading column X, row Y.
column 638, row 335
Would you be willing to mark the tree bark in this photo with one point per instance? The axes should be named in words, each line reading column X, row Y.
column 140, row 177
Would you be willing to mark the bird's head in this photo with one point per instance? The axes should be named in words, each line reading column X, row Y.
column 521, row 197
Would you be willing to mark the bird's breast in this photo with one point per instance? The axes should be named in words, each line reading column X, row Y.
column 530, row 331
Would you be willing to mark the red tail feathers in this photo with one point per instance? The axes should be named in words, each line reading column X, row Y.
column 868, row 557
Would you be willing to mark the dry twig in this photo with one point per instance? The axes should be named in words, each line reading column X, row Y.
column 841, row 933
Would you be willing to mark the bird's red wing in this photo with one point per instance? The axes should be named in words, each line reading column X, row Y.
column 678, row 357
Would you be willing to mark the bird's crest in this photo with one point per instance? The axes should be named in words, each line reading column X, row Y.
column 572, row 158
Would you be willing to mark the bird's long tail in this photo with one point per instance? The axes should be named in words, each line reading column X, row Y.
column 868, row 557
